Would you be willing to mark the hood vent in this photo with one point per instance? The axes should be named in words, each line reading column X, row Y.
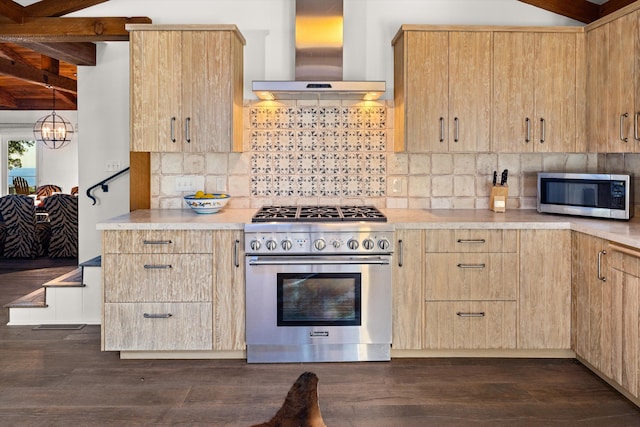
column 318, row 71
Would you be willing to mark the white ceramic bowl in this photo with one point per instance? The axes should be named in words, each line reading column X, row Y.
column 204, row 205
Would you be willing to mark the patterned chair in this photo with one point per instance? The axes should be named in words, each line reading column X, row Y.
column 63, row 217
column 20, row 185
column 24, row 237
column 47, row 190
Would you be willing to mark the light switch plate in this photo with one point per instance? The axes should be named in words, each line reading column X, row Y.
column 189, row 183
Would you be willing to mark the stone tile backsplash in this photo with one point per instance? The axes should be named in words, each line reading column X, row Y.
column 322, row 152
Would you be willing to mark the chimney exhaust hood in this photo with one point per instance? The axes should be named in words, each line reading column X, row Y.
column 318, row 69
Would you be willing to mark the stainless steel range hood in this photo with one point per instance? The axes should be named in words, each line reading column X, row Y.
column 318, row 70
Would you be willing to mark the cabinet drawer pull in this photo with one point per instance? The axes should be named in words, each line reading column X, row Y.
column 471, row 265
column 157, row 267
column 173, row 129
column 441, row 129
column 400, row 253
column 527, row 121
column 157, row 316
column 236, row 253
column 157, row 242
column 472, row 241
column 471, row 314
column 456, row 129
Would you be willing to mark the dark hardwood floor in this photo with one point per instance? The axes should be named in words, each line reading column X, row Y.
column 61, row 378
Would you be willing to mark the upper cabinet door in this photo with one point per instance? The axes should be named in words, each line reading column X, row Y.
column 513, row 102
column 555, row 71
column 156, row 74
column 426, row 98
column 469, row 91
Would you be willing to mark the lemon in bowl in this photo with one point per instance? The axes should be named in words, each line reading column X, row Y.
column 206, row 203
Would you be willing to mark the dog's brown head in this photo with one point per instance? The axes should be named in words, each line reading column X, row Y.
column 300, row 408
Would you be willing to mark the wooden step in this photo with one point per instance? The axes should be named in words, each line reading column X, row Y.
column 34, row 299
column 70, row 279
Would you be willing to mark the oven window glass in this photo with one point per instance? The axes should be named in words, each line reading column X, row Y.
column 319, row 299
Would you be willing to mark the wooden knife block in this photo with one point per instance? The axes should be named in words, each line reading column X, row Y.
column 498, row 198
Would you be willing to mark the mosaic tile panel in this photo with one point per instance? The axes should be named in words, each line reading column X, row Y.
column 318, row 151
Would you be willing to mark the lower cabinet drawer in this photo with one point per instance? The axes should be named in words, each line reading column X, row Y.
column 158, row 326
column 470, row 325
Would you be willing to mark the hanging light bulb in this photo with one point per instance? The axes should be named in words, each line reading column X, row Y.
column 53, row 130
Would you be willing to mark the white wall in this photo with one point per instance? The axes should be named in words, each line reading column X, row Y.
column 268, row 27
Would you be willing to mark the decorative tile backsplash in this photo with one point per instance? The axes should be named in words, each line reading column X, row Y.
column 318, row 151
column 314, row 152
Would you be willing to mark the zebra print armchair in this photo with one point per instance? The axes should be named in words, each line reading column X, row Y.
column 47, row 190
column 23, row 236
column 63, row 217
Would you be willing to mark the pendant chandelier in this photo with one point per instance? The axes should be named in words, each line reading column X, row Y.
column 53, row 130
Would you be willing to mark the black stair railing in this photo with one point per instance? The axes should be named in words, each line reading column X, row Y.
column 103, row 184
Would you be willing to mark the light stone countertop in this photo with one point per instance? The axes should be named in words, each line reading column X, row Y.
column 624, row 232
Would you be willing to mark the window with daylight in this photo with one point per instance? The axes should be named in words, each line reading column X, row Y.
column 21, row 161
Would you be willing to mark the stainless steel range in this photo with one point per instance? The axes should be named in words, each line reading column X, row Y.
column 318, row 284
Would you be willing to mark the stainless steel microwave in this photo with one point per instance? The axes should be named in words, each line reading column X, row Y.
column 596, row 195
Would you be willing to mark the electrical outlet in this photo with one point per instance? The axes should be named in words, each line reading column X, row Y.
column 189, row 183
column 396, row 185
column 113, row 165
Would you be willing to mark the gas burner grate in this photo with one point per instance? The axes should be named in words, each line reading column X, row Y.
column 318, row 214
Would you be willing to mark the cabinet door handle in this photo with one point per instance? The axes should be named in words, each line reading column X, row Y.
column 441, row 129
column 236, row 253
column 173, row 129
column 471, row 265
column 157, row 316
column 157, row 242
column 158, row 266
column 471, row 240
column 527, row 137
column 470, row 314
column 187, row 123
column 622, row 117
column 635, row 126
column 456, row 129
column 400, row 253
column 543, row 129
column 600, row 276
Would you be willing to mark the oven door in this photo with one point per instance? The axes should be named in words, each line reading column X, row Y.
column 298, row 300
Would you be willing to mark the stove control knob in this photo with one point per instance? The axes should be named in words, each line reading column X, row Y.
column 320, row 244
column 368, row 244
column 384, row 244
column 255, row 245
column 336, row 244
column 272, row 245
column 353, row 244
column 287, row 245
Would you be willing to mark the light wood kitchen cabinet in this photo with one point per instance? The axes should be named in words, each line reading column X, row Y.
column 536, row 80
column 173, row 290
column 186, row 88
column 614, row 84
column 442, row 89
column 588, row 278
column 621, row 317
column 407, row 290
column 229, row 291
column 545, row 290
column 157, row 290
column 471, row 280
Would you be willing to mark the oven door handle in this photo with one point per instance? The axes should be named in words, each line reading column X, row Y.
column 286, row 260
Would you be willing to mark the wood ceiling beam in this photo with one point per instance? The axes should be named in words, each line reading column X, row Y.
column 7, row 52
column 11, row 10
column 37, row 76
column 613, row 5
column 57, row 8
column 580, row 10
column 69, row 29
column 71, row 53
column 7, row 100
